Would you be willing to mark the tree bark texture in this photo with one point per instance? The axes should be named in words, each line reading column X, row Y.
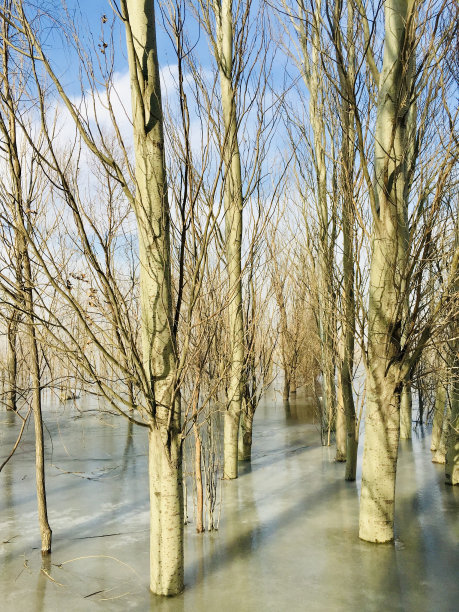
column 245, row 434
column 406, row 411
column 439, row 414
column 387, row 276
column 158, row 341
column 12, row 363
column 233, row 229
column 452, row 443
column 340, row 424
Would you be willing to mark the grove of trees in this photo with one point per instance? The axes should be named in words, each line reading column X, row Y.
column 276, row 205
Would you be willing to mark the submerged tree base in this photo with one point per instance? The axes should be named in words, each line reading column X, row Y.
column 287, row 524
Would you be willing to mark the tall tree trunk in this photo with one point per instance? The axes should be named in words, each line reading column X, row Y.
column 233, row 230
column 387, row 276
column 340, row 423
column 452, row 441
column 197, row 459
column 406, row 411
column 439, row 455
column 245, row 435
column 25, row 298
column 158, row 341
column 452, row 444
column 406, row 398
column 12, row 362
column 286, row 387
column 420, row 403
column 325, row 258
column 439, row 413
column 278, row 283
column 45, row 529
column 348, row 163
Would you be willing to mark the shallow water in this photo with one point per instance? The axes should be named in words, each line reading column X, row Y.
column 287, row 538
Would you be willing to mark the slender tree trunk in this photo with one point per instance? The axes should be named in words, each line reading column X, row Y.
column 245, row 435
column 278, row 283
column 439, row 413
column 406, row 398
column 198, row 462
column 45, row 529
column 286, row 388
column 439, row 455
column 406, row 411
column 325, row 250
column 12, row 363
column 340, row 424
column 198, row 477
column 233, row 228
column 452, row 443
column 348, row 163
column 387, row 291
column 421, row 404
column 158, row 342
column 24, row 282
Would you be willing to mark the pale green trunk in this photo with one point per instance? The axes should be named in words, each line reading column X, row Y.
column 11, row 363
column 166, row 514
column 452, row 442
column 406, row 411
column 340, row 424
column 233, row 230
column 439, row 413
column 439, row 455
column 158, row 342
column 387, row 276
column 312, row 75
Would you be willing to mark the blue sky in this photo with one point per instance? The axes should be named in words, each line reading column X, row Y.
column 87, row 16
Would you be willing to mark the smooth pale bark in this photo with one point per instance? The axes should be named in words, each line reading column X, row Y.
column 251, row 393
column 439, row 455
column 439, row 413
column 452, row 443
column 312, row 61
column 11, row 363
column 340, row 424
column 278, row 286
column 233, row 230
column 387, row 273
column 158, row 341
column 198, row 478
column 166, row 514
column 198, row 462
column 406, row 411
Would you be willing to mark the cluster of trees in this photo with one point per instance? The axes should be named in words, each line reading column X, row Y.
column 289, row 206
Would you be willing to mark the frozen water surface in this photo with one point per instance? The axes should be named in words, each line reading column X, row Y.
column 287, row 539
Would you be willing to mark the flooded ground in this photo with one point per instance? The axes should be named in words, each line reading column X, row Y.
column 288, row 532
